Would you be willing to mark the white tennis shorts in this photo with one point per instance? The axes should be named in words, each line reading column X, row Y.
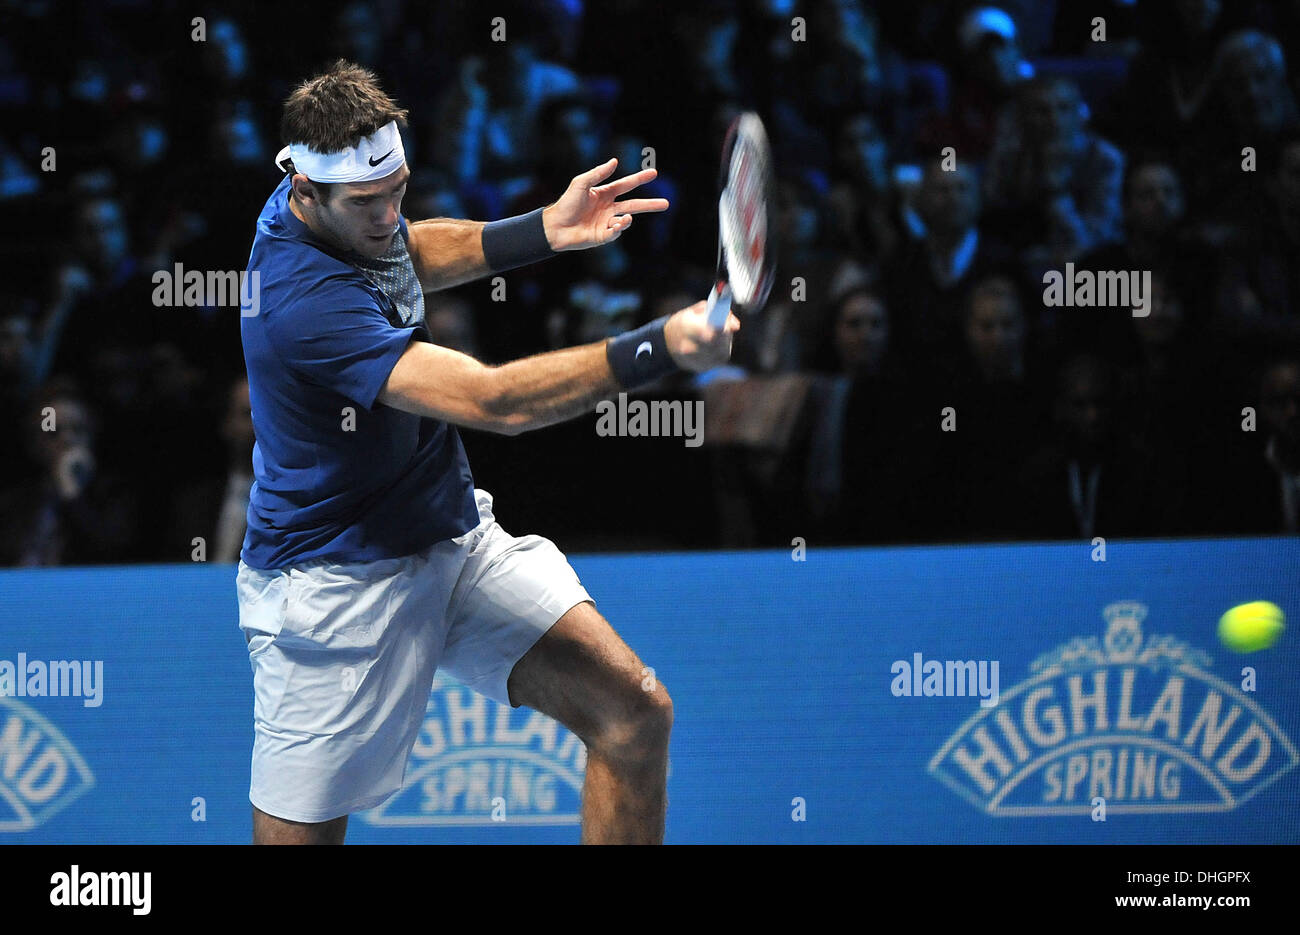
column 343, row 657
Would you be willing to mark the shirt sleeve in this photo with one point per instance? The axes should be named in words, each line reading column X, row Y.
column 339, row 339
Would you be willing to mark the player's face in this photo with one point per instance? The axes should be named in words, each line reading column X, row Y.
column 362, row 216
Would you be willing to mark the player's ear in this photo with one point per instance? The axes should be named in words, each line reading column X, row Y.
column 305, row 190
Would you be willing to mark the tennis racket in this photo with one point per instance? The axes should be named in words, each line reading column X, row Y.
column 746, row 259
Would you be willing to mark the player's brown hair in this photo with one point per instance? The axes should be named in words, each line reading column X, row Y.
column 333, row 110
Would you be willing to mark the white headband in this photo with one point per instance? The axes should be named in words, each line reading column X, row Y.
column 376, row 156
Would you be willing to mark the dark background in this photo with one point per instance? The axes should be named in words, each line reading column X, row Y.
column 918, row 288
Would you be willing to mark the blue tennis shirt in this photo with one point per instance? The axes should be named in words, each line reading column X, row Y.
column 337, row 476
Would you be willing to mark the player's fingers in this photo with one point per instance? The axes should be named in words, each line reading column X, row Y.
column 733, row 323
column 593, row 176
column 628, row 182
column 641, row 205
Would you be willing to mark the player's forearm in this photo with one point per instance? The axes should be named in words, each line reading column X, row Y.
column 548, row 388
column 447, row 252
column 440, row 383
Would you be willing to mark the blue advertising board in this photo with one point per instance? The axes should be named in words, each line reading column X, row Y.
column 1001, row 693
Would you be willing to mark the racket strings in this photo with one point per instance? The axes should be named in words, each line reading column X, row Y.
column 744, row 221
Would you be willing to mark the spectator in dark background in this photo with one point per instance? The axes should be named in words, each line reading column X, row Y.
column 1166, row 387
column 1055, row 184
column 213, row 505
column 520, row 83
column 18, row 360
column 929, row 278
column 142, row 360
column 1154, row 207
column 786, row 335
column 450, row 320
column 860, row 199
column 987, row 70
column 1074, row 28
column 65, row 508
column 1256, row 97
column 1166, row 99
column 861, row 339
column 1095, row 478
column 20, row 374
column 1280, row 409
column 1254, row 107
column 856, row 70
column 1156, row 237
column 1258, row 489
column 1259, row 292
column 999, row 411
column 858, row 457
column 99, row 288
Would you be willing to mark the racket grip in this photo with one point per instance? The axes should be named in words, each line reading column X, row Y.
column 719, row 306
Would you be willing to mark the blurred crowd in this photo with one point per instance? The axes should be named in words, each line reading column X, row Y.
column 906, row 382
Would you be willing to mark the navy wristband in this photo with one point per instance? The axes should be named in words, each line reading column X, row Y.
column 640, row 356
column 515, row 241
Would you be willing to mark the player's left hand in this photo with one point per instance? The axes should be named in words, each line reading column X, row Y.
column 587, row 215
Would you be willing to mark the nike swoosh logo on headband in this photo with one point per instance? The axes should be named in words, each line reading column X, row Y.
column 375, row 162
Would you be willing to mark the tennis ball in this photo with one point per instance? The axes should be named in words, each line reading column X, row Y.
column 1248, row 627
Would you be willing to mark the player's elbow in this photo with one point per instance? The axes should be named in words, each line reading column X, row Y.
column 501, row 408
column 514, row 424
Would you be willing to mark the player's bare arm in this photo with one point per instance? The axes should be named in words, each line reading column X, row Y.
column 447, row 252
column 537, row 391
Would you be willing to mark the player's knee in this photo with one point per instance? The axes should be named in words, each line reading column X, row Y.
column 640, row 728
column 659, row 713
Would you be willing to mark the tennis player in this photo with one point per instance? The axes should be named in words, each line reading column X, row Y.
column 370, row 558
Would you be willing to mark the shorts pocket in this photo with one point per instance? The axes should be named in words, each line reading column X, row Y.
column 263, row 599
column 328, row 611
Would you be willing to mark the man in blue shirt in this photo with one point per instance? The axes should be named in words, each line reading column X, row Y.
column 370, row 558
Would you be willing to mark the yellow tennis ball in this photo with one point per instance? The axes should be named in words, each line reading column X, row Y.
column 1248, row 627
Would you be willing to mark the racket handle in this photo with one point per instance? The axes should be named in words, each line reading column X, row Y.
column 719, row 306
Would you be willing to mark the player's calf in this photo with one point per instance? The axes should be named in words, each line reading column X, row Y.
column 267, row 829
column 582, row 674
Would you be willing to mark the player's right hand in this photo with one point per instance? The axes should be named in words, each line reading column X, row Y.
column 694, row 345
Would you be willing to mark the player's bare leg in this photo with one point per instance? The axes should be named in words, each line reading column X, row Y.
column 267, row 829
column 582, row 674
